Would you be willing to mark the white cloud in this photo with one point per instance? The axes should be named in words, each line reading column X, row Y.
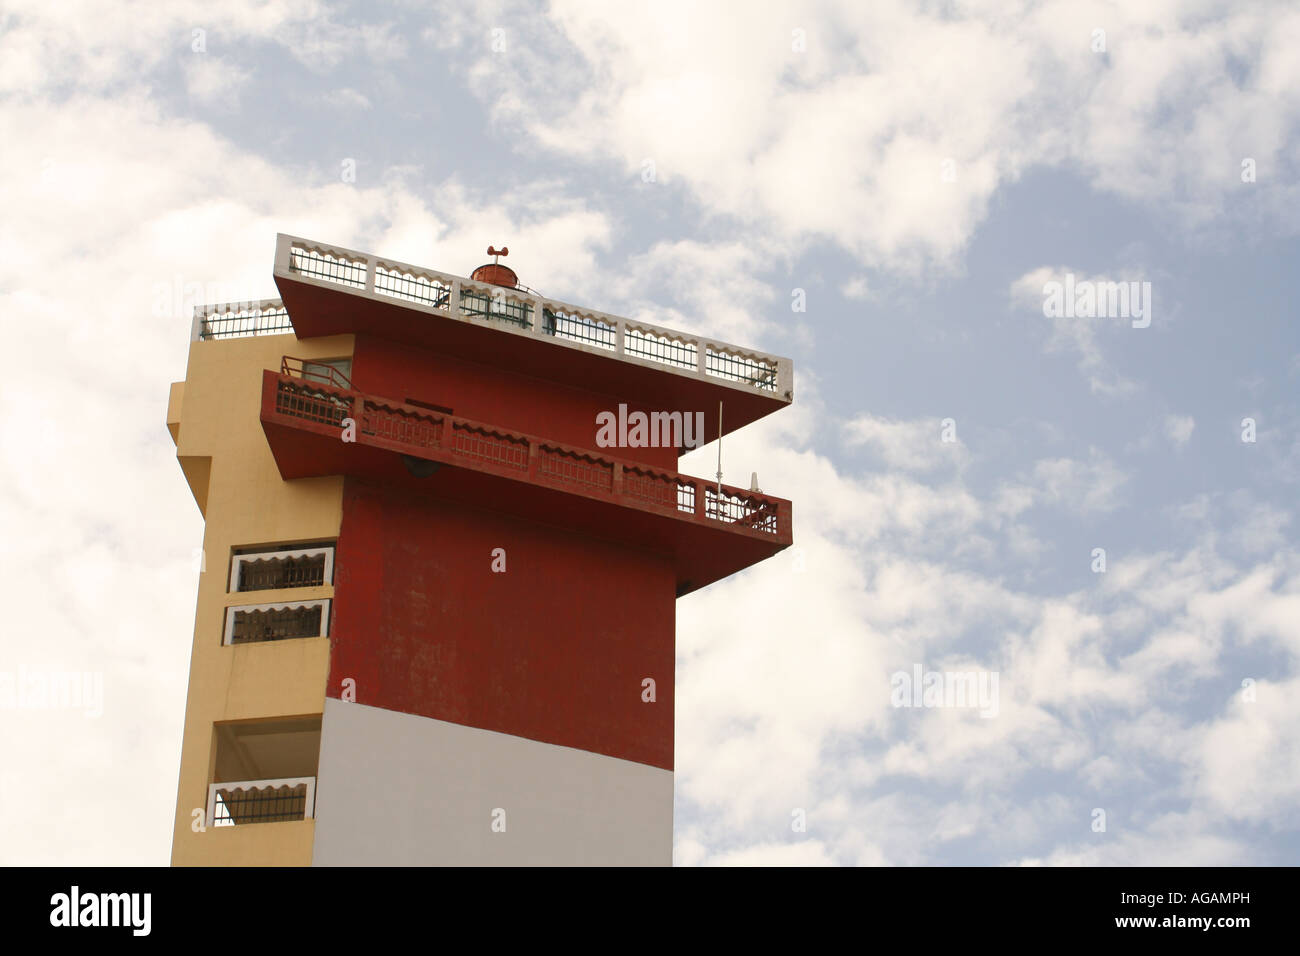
column 785, row 669
column 714, row 284
column 1083, row 486
column 911, row 446
column 215, row 82
column 1248, row 761
column 803, row 853
column 1179, row 428
column 348, row 98
column 857, row 289
column 847, row 140
column 1173, row 839
column 1074, row 335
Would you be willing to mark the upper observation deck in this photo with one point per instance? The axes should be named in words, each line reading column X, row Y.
column 330, row 290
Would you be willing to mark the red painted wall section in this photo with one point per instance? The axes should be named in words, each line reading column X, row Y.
column 530, row 405
column 554, row 649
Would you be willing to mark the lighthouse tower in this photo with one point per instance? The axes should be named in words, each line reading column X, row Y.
column 444, row 539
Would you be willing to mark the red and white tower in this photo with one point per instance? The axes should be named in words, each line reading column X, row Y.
column 498, row 666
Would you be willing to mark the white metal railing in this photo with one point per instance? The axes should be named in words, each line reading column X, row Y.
column 523, row 312
column 281, row 800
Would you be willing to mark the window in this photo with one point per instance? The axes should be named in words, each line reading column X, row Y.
column 329, row 371
column 257, row 623
column 306, row 567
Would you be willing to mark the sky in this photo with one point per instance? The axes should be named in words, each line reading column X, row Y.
column 1093, row 507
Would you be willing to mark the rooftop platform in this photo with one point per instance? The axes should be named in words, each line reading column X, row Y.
column 330, row 290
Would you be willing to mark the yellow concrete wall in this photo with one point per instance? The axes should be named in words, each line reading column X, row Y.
column 215, row 415
column 175, row 398
column 255, row 844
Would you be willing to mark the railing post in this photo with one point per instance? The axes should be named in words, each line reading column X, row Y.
column 785, row 378
column 699, row 500
column 533, row 454
column 453, row 299
column 617, row 484
column 359, row 412
column 618, row 337
column 539, row 316
column 701, row 357
column 370, row 275
column 283, row 249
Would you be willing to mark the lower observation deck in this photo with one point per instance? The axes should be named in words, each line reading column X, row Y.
column 711, row 531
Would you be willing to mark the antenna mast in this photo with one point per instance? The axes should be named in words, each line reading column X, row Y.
column 719, row 450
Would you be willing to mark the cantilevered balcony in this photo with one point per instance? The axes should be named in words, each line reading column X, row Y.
column 329, row 290
column 712, row 530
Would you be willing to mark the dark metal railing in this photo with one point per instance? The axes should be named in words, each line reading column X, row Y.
column 239, row 802
column 331, row 268
column 497, row 308
column 272, row 573
column 232, row 322
column 275, row 624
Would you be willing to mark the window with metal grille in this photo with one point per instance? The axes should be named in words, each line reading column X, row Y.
column 306, row 567
column 254, row 624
